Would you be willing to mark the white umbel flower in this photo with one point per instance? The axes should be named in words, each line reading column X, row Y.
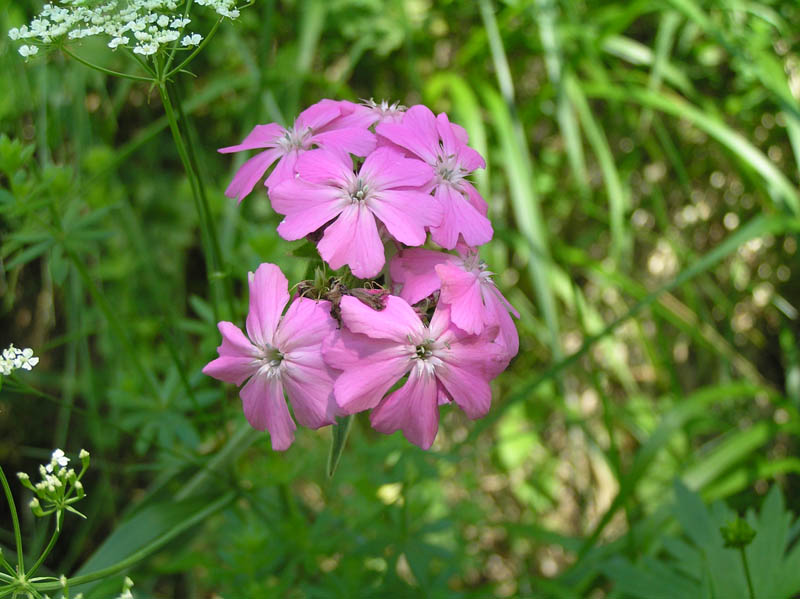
column 151, row 23
column 192, row 40
column 14, row 358
column 27, row 51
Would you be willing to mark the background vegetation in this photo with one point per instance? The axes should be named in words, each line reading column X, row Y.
column 642, row 179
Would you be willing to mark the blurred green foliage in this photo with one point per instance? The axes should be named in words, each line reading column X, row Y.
column 642, row 176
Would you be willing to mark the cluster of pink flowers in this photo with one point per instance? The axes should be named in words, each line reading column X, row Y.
column 356, row 179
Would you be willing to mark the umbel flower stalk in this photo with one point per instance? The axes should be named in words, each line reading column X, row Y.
column 156, row 36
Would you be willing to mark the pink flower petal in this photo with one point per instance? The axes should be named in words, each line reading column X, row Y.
column 406, row 213
column 265, row 409
column 283, row 171
column 269, row 292
column 352, row 140
column 231, row 369
column 318, row 115
column 414, row 269
column 250, row 173
column 416, row 132
column 309, row 385
column 234, row 343
column 498, row 307
column 468, row 388
column 397, row 321
column 262, row 136
column 475, row 198
column 462, row 291
column 460, row 133
column 412, row 409
column 387, row 168
column 307, row 207
column 353, row 240
column 459, row 218
column 305, row 325
column 370, row 368
column 325, row 167
column 354, row 115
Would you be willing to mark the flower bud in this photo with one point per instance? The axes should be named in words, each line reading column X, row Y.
column 36, row 508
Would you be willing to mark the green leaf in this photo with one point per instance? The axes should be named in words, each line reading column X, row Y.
column 339, row 433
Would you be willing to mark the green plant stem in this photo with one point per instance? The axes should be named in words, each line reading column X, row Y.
column 177, row 42
column 46, row 551
column 208, row 230
column 103, row 69
column 747, row 573
column 145, row 551
column 191, row 56
column 14, row 520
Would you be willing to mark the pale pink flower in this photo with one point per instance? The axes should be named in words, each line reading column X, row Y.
column 466, row 286
column 318, row 125
column 281, row 354
column 375, row 349
column 385, row 189
column 443, row 146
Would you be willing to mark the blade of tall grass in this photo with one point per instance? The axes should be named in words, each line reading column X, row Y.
column 618, row 200
column 519, row 170
column 779, row 187
column 312, row 20
column 545, row 16
column 728, row 452
column 665, row 37
column 638, row 54
column 762, row 65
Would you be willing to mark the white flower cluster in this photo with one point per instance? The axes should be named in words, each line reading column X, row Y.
column 225, row 8
column 14, row 358
column 60, row 486
column 144, row 25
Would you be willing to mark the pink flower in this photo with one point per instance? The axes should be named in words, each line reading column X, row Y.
column 375, row 349
column 466, row 286
column 315, row 126
column 386, row 188
column 443, row 146
column 280, row 354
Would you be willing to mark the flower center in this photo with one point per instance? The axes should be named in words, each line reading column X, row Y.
column 295, row 140
column 448, row 169
column 424, row 351
column 271, row 360
column 358, row 191
column 473, row 264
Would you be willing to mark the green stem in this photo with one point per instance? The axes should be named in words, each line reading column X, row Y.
column 103, row 69
column 208, row 231
column 747, row 573
column 47, row 550
column 15, row 521
column 145, row 551
column 194, row 53
column 176, row 45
